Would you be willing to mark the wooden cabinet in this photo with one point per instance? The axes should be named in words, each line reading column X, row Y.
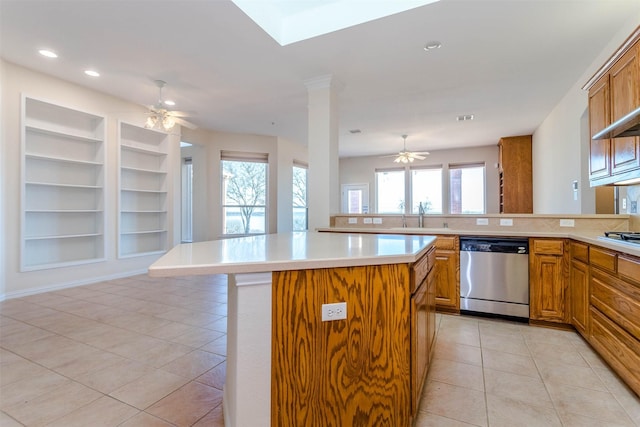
column 614, row 298
column 624, row 80
column 599, row 118
column 614, row 91
column 368, row 369
column 422, row 324
column 579, row 287
column 516, row 175
column 63, row 186
column 548, row 272
column 447, row 274
column 142, row 221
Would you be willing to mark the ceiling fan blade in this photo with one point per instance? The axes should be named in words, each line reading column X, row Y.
column 175, row 113
column 417, row 156
column 183, row 122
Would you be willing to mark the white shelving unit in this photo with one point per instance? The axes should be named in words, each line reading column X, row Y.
column 63, row 178
column 142, row 221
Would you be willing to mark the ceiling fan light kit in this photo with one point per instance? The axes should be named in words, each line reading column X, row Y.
column 405, row 156
column 162, row 118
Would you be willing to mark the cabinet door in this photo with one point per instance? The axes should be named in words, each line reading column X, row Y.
column 547, row 282
column 447, row 291
column 579, row 285
column 419, row 341
column 625, row 97
column 431, row 315
column 599, row 118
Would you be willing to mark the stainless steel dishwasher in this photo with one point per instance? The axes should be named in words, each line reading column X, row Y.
column 494, row 276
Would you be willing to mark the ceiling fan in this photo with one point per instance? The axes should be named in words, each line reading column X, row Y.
column 405, row 156
column 161, row 117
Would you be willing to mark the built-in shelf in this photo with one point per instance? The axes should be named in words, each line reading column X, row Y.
column 63, row 178
column 142, row 219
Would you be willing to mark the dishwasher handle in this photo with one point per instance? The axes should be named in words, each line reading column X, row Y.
column 500, row 245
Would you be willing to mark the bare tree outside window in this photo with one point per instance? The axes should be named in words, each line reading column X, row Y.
column 245, row 195
column 299, row 198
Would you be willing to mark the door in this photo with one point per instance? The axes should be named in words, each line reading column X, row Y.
column 355, row 198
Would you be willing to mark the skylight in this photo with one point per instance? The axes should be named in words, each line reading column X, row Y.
column 290, row 21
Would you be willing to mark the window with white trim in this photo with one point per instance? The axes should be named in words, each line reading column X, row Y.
column 426, row 189
column 390, row 196
column 467, row 188
column 244, row 193
column 300, row 209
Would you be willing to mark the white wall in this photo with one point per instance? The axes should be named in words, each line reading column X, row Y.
column 559, row 144
column 361, row 170
column 288, row 153
column 16, row 81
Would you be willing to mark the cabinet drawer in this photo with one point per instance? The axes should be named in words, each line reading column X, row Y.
column 603, row 259
column 548, row 247
column 446, row 242
column 617, row 299
column 419, row 271
column 580, row 251
column 629, row 268
column 617, row 347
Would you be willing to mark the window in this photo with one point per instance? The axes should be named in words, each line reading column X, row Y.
column 390, row 190
column 467, row 188
column 244, row 193
column 426, row 188
column 187, row 200
column 300, row 209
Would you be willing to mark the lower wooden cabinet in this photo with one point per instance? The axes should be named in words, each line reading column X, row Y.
column 447, row 274
column 579, row 287
column 614, row 311
column 548, row 271
column 368, row 369
column 423, row 318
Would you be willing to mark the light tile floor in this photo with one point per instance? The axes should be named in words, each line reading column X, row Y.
column 142, row 352
column 496, row 373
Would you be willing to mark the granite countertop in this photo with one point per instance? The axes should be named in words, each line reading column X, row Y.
column 290, row 251
column 587, row 236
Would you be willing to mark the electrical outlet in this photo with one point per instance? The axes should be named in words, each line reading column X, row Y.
column 367, row 221
column 377, row 220
column 353, row 220
column 482, row 221
column 334, row 311
column 624, row 204
column 508, row 222
column 567, row 223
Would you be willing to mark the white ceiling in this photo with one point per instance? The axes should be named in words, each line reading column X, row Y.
column 507, row 62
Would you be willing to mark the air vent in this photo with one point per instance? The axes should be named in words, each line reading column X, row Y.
column 464, row 117
column 355, row 131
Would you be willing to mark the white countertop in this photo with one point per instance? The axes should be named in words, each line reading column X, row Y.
column 586, row 236
column 289, row 251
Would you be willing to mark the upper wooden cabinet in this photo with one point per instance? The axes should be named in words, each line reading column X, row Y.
column 516, row 175
column 599, row 118
column 614, row 91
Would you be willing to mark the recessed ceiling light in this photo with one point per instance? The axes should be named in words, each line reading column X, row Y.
column 464, row 117
column 48, row 53
column 432, row 45
column 92, row 73
column 169, row 102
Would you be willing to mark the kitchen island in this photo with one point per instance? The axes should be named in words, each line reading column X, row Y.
column 284, row 363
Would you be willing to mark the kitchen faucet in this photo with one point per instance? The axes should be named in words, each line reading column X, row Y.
column 420, row 215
